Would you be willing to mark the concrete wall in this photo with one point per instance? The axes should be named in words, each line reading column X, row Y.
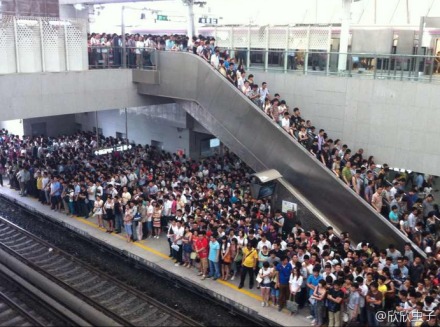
column 142, row 129
column 394, row 121
column 49, row 94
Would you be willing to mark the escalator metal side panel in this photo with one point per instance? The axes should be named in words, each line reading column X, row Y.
column 233, row 118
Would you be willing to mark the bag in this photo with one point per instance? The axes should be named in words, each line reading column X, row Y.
column 227, row 258
column 259, row 279
column 175, row 247
column 291, row 305
column 312, row 301
column 137, row 217
column 345, row 317
column 193, row 255
column 239, row 256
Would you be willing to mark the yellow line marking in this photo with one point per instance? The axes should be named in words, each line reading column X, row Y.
column 248, row 293
column 140, row 245
column 160, row 254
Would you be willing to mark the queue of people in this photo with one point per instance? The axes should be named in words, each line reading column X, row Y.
column 215, row 229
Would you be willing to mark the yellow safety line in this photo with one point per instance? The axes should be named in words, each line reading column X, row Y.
column 138, row 244
column 160, row 254
column 248, row 293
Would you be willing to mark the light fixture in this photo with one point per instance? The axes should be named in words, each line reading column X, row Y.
column 79, row 6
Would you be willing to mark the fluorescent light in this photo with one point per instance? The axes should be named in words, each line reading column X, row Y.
column 59, row 23
column 79, row 6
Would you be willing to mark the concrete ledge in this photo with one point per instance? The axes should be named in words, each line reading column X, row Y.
column 146, row 76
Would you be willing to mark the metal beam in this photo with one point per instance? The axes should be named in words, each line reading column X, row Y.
column 100, row 2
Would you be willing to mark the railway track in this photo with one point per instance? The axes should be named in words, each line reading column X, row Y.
column 21, row 305
column 125, row 305
column 14, row 311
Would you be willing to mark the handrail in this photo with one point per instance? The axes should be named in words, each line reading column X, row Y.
column 362, row 65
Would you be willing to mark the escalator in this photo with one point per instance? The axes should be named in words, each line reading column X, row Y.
column 229, row 115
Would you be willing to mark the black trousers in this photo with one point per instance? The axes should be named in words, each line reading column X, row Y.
column 246, row 270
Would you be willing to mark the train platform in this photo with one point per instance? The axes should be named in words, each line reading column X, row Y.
column 154, row 254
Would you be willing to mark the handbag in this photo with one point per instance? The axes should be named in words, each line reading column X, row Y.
column 227, row 258
column 193, row 255
column 259, row 279
column 291, row 305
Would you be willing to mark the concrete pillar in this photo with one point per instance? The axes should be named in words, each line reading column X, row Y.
column 345, row 35
column 191, row 27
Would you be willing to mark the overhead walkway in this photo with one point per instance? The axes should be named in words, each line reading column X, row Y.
column 247, row 131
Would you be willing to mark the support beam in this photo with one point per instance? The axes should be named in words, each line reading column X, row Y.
column 191, row 26
column 345, row 35
column 123, row 41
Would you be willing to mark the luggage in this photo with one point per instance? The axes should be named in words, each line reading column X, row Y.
column 291, row 305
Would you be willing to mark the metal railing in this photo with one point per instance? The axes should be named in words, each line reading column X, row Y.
column 101, row 57
column 424, row 68
column 401, row 67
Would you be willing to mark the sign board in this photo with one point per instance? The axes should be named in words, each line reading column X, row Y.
column 162, row 17
column 287, row 206
column 207, row 20
column 119, row 148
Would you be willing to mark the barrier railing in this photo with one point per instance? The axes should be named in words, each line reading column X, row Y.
column 368, row 65
column 101, row 57
column 424, row 68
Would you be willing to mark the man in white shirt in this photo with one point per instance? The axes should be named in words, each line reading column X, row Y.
column 264, row 92
column 285, row 122
column 91, row 195
column 139, row 51
column 99, row 190
column 363, row 291
column 123, row 180
column 178, row 236
column 149, row 219
column 215, row 59
column 328, row 273
column 263, row 242
column 241, row 78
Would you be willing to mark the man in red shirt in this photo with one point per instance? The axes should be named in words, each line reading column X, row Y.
column 201, row 246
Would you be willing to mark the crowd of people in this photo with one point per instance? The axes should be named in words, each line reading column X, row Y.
column 213, row 225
